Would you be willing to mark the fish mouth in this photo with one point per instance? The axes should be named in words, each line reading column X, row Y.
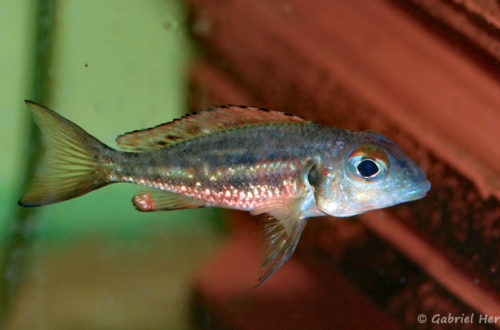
column 417, row 192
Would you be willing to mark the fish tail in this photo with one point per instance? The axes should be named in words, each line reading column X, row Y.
column 72, row 165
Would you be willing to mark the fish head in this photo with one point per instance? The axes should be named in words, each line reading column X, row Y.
column 371, row 172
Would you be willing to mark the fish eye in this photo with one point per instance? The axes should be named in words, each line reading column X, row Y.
column 368, row 163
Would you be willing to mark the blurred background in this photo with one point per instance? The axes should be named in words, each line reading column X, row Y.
column 95, row 262
column 425, row 73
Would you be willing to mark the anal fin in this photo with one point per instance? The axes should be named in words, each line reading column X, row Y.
column 282, row 233
column 159, row 200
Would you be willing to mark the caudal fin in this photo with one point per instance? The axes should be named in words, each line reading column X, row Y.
column 70, row 166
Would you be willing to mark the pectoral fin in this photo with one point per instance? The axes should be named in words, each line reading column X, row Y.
column 281, row 233
column 158, row 200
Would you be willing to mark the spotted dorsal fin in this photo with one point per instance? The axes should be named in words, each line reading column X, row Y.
column 202, row 123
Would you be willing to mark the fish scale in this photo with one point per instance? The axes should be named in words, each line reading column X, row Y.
column 234, row 174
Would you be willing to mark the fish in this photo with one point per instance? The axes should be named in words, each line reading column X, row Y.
column 234, row 157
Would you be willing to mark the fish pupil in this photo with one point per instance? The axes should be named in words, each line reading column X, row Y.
column 367, row 168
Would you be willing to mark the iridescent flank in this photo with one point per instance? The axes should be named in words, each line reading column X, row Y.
column 214, row 191
column 234, row 157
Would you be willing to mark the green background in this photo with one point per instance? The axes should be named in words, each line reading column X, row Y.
column 117, row 66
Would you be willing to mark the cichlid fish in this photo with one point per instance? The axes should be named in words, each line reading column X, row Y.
column 234, row 157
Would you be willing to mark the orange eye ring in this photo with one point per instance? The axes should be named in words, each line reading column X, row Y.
column 368, row 163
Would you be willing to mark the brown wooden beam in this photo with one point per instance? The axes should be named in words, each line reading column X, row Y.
column 433, row 262
column 217, row 88
column 371, row 65
column 475, row 22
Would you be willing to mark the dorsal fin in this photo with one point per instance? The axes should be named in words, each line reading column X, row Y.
column 202, row 123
